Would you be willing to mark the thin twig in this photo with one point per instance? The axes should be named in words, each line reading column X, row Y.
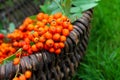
column 18, row 65
column 17, row 71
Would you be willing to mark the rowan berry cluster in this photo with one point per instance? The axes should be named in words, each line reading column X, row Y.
column 43, row 33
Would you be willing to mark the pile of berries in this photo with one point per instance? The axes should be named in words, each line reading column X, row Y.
column 43, row 33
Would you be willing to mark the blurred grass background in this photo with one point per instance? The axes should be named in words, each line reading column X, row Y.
column 102, row 59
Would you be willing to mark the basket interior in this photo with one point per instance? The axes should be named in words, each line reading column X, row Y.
column 17, row 11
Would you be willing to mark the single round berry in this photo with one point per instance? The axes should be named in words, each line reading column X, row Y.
column 16, row 61
column 28, row 74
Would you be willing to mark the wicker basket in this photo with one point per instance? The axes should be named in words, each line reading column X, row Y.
column 46, row 66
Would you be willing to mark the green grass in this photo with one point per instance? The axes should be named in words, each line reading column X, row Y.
column 102, row 59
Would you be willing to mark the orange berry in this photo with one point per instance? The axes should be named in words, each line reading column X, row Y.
column 35, row 34
column 22, row 77
column 57, row 15
column 42, row 39
column 46, row 28
column 27, row 21
column 22, row 43
column 53, row 23
column 16, row 61
column 40, row 24
column 65, row 32
column 56, row 37
column 59, row 21
column 29, row 51
column 36, row 39
column 58, row 51
column 1, row 54
column 48, row 35
column 56, row 45
column 64, row 18
column 70, row 27
column 51, row 50
column 26, row 47
column 36, row 27
column 28, row 74
column 63, row 38
column 49, row 42
column 44, row 21
column 15, row 78
column 52, row 29
column 58, row 29
column 22, row 27
column 27, row 40
column 41, row 31
column 45, row 16
column 30, row 27
column 62, row 45
column 40, row 16
column 15, row 44
column 34, row 48
column 39, row 45
column 51, row 19
column 30, row 37
column 65, row 24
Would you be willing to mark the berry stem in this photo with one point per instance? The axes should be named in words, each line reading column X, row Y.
column 20, row 50
column 17, row 72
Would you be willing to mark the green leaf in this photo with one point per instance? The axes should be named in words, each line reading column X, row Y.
column 67, row 6
column 44, row 8
column 11, row 27
column 31, row 43
column 76, row 13
column 75, row 10
column 88, row 6
column 9, row 59
column 3, row 31
column 53, row 6
column 56, row 10
column 82, row 2
column 75, row 16
column 33, row 17
column 58, row 3
column 85, row 4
